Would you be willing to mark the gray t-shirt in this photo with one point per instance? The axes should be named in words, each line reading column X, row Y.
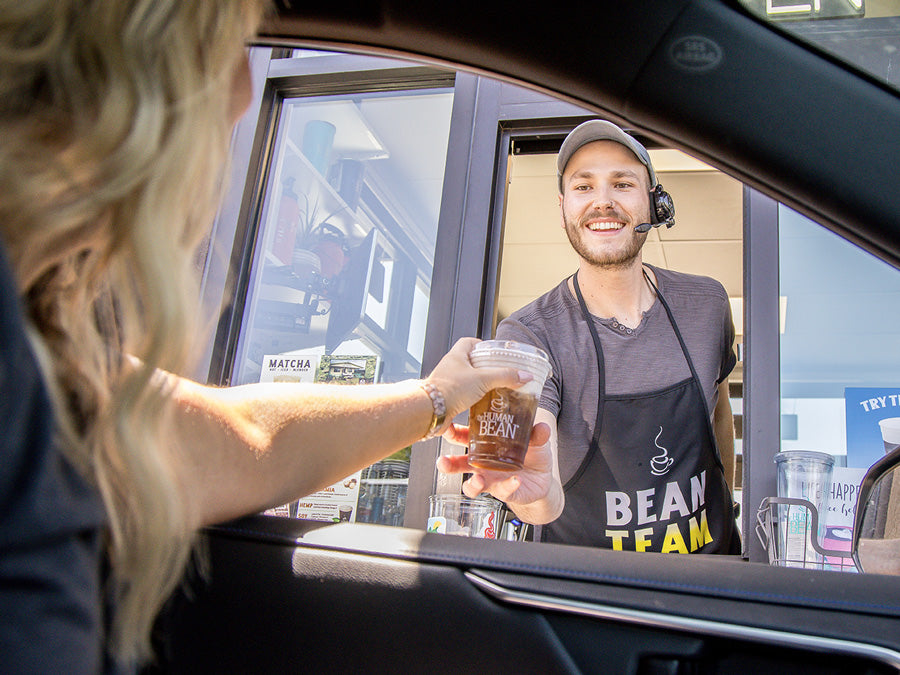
column 642, row 360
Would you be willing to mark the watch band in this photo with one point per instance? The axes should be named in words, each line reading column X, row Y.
column 439, row 412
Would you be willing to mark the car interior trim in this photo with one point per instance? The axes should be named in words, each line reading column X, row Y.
column 651, row 572
column 720, row 629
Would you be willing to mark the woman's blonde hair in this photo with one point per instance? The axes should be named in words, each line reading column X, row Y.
column 115, row 126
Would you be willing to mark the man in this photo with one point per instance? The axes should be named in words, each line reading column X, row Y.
column 641, row 449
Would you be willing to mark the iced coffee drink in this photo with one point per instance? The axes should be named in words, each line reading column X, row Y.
column 500, row 423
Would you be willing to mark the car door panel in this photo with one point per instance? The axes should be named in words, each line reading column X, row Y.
column 278, row 607
column 368, row 598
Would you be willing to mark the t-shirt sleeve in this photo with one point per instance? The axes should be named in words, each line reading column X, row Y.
column 729, row 358
column 51, row 618
column 512, row 328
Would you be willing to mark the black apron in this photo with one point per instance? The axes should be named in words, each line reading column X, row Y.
column 652, row 479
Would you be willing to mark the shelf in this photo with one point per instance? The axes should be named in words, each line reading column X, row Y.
column 353, row 137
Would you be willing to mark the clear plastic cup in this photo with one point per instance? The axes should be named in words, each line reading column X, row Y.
column 802, row 474
column 500, row 423
column 890, row 433
column 464, row 516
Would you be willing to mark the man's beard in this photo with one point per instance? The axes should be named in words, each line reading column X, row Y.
column 619, row 259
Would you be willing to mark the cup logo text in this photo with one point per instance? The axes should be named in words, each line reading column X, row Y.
column 497, row 421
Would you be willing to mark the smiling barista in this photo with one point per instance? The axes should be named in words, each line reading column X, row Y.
column 641, row 445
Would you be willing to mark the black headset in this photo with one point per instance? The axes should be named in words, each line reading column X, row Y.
column 662, row 210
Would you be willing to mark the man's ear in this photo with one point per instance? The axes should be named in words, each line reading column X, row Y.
column 562, row 218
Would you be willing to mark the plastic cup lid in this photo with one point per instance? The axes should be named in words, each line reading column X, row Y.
column 513, row 354
column 481, row 500
column 804, row 455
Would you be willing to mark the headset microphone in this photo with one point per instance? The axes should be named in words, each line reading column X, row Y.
column 662, row 210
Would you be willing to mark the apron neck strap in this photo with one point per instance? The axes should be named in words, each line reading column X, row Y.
column 665, row 305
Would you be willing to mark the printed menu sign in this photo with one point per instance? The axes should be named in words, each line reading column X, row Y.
column 289, row 368
column 333, row 504
column 845, row 484
column 347, row 369
column 866, row 406
column 337, row 502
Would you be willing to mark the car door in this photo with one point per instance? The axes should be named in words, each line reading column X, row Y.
column 783, row 117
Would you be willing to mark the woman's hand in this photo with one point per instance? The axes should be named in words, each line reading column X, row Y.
column 462, row 384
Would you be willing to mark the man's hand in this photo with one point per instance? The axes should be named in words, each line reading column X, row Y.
column 531, row 483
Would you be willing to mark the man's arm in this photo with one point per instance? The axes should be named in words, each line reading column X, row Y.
column 549, row 507
column 723, row 426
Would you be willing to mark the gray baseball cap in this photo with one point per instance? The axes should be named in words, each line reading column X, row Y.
column 600, row 130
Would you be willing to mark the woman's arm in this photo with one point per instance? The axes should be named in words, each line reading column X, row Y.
column 247, row 448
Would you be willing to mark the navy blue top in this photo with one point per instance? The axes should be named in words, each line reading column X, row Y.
column 51, row 524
